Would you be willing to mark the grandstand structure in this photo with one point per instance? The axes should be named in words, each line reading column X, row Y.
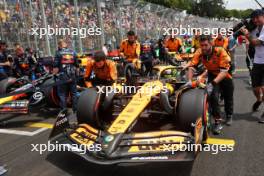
column 113, row 17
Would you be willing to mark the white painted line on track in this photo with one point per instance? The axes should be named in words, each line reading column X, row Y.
column 240, row 55
column 22, row 133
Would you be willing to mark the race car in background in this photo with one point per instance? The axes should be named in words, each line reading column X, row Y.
column 179, row 59
column 18, row 95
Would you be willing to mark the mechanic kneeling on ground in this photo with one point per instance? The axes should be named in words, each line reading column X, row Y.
column 105, row 72
column 4, row 63
column 67, row 68
column 256, row 39
column 217, row 62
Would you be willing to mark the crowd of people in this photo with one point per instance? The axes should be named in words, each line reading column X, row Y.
column 62, row 14
column 214, row 59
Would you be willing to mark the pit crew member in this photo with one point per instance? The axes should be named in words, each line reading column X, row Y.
column 217, row 62
column 130, row 48
column 173, row 44
column 100, row 71
column 66, row 68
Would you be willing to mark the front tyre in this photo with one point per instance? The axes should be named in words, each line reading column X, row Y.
column 192, row 109
column 88, row 108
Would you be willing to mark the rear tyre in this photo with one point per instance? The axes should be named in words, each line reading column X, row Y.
column 50, row 93
column 5, row 84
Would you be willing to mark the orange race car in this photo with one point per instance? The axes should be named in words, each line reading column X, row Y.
column 125, row 127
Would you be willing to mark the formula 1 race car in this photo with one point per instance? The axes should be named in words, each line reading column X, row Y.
column 144, row 126
column 159, row 72
column 177, row 59
column 169, row 72
column 18, row 95
column 119, row 61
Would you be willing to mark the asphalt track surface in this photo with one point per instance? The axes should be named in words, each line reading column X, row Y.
column 247, row 159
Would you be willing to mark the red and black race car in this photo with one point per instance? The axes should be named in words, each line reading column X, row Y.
column 18, row 95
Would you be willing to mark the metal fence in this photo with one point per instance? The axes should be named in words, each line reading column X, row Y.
column 113, row 17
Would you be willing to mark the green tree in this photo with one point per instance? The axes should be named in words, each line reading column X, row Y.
column 182, row 4
column 208, row 8
column 204, row 8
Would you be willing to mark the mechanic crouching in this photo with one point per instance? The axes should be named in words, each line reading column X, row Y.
column 100, row 71
column 217, row 62
column 66, row 69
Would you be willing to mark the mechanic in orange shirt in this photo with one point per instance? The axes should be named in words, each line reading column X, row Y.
column 130, row 47
column 221, row 41
column 100, row 71
column 173, row 44
column 217, row 62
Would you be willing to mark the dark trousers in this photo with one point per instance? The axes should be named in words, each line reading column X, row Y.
column 148, row 66
column 257, row 75
column 226, row 88
column 64, row 90
column 3, row 76
column 233, row 61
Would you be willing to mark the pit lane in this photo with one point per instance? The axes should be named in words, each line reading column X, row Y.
column 246, row 159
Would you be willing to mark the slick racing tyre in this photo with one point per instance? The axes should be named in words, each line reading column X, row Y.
column 92, row 108
column 50, row 93
column 191, row 106
column 6, row 84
